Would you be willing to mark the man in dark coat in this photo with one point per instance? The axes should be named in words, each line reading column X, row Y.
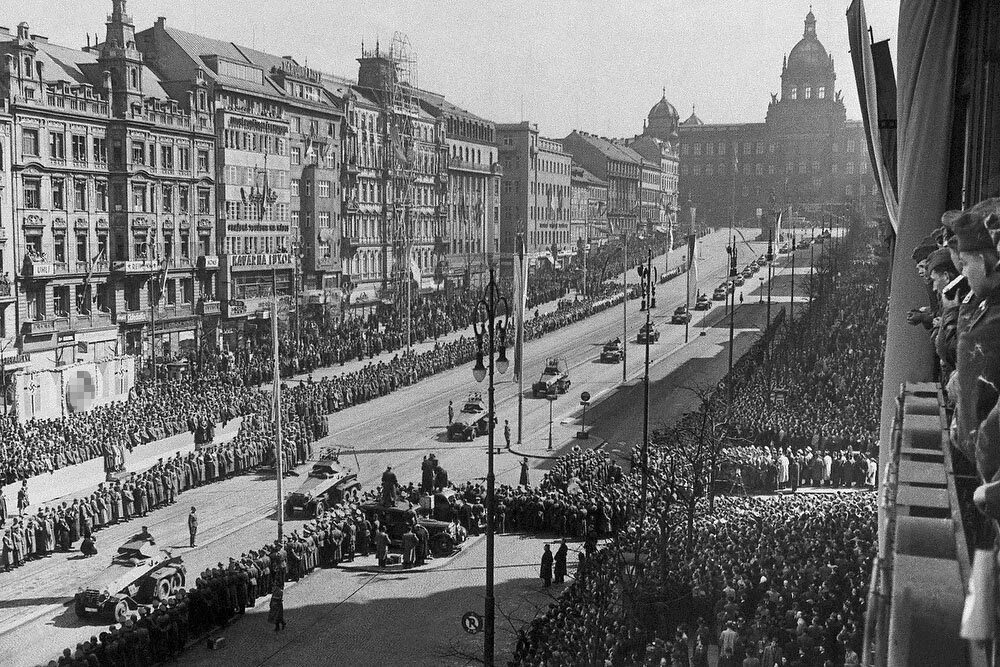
column 546, row 570
column 389, row 485
column 560, row 561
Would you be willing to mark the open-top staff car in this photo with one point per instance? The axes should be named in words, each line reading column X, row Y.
column 138, row 576
column 612, row 352
column 704, row 303
column 648, row 332
column 554, row 378
column 327, row 484
column 681, row 315
column 396, row 518
column 471, row 421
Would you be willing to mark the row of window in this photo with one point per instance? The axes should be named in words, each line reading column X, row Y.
column 817, row 185
column 305, row 187
column 367, row 227
column 745, row 147
column 82, row 152
column 758, row 169
column 807, row 92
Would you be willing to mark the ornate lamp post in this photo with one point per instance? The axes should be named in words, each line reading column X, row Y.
column 492, row 318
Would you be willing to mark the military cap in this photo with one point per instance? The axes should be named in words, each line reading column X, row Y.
column 973, row 235
column 921, row 252
column 940, row 260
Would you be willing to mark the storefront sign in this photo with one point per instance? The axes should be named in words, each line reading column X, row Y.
column 255, row 125
column 262, row 259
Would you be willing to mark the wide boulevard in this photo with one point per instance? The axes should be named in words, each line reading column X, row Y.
column 37, row 621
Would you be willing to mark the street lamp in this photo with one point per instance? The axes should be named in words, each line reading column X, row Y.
column 492, row 317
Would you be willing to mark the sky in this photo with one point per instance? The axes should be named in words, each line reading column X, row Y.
column 595, row 65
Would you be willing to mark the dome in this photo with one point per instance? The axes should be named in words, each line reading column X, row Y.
column 663, row 120
column 809, row 55
column 663, row 109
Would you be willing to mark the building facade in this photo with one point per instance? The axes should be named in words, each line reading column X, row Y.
column 471, row 231
column 805, row 155
column 588, row 208
column 622, row 169
column 107, row 190
column 535, row 191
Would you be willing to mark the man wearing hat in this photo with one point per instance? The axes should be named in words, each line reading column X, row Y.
column 925, row 314
column 977, row 373
column 942, row 271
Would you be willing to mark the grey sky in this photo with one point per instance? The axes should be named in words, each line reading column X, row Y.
column 590, row 64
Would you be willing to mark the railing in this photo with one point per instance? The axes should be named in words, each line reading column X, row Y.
column 919, row 581
column 6, row 291
column 467, row 165
column 92, row 320
column 43, row 326
column 209, row 308
column 134, row 266
column 38, row 268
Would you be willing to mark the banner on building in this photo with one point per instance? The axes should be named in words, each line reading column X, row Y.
column 59, row 392
column 692, row 274
column 520, row 303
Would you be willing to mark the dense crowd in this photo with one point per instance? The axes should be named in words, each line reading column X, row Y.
column 781, row 579
column 831, row 386
column 59, row 527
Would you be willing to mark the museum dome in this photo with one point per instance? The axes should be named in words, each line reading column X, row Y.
column 809, row 55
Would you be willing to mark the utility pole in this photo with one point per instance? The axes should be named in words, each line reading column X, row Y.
column 646, row 275
column 732, row 314
column 791, row 303
column 625, row 303
column 276, row 391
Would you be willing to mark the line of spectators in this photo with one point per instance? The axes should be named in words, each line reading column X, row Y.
column 58, row 527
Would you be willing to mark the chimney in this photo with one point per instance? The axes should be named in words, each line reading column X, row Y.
column 161, row 21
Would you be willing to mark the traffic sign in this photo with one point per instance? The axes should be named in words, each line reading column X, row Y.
column 472, row 622
column 585, row 396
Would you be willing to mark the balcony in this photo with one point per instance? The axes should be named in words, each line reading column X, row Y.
column 94, row 320
column 132, row 317
column 209, row 308
column 208, row 262
column 174, row 311
column 350, row 206
column 134, row 266
column 6, row 292
column 38, row 267
column 179, row 263
column 45, row 325
column 466, row 165
column 351, row 168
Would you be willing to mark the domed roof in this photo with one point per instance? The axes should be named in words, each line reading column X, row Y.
column 809, row 54
column 663, row 109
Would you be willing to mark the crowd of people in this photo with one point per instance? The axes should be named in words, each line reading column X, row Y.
column 57, row 528
column 828, row 394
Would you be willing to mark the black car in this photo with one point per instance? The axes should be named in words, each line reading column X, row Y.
column 681, row 315
column 704, row 303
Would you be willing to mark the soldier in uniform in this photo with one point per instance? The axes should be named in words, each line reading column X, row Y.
column 978, row 352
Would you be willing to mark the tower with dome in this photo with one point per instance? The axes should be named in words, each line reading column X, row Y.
column 805, row 151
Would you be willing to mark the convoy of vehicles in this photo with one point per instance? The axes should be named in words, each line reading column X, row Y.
column 554, row 379
column 327, row 484
column 471, row 420
column 139, row 576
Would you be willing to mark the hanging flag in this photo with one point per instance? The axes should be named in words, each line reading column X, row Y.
column 310, row 150
column 163, row 282
column 692, row 282
column 520, row 303
column 414, row 269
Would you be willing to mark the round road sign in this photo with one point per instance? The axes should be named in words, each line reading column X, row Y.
column 472, row 622
column 585, row 396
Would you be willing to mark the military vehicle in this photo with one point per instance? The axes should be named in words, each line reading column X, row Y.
column 554, row 379
column 138, row 576
column 681, row 315
column 648, row 331
column 612, row 352
column 396, row 518
column 471, row 420
column 703, row 302
column 327, row 484
column 719, row 294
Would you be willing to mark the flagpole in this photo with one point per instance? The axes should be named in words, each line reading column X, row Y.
column 522, row 289
column 276, row 379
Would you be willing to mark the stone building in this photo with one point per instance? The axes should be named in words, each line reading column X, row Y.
column 622, row 169
column 804, row 155
column 535, row 198
column 112, row 185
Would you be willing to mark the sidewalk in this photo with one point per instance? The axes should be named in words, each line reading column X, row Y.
column 75, row 480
